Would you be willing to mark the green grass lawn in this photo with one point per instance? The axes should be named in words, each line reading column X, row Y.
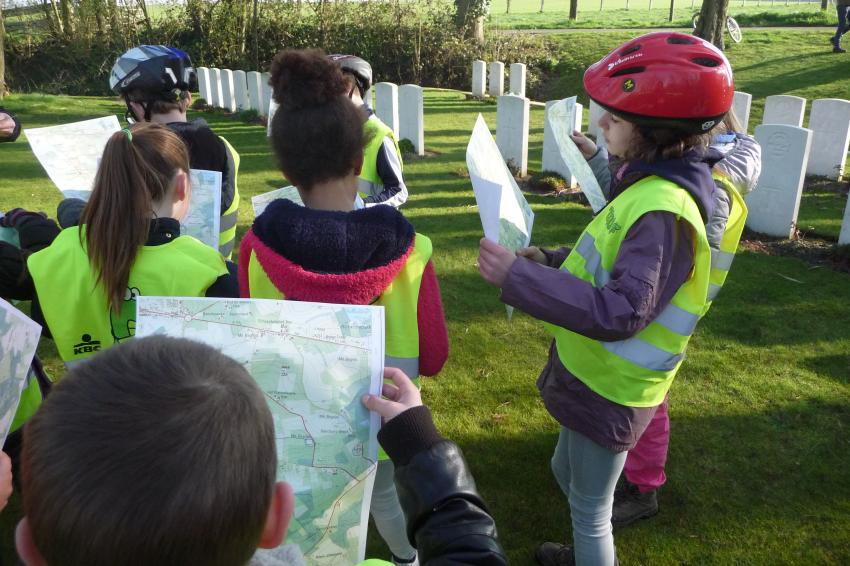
column 760, row 411
column 526, row 14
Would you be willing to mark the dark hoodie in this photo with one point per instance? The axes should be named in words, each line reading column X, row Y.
column 208, row 152
column 654, row 260
column 344, row 258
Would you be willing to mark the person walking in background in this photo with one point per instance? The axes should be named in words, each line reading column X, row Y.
column 843, row 9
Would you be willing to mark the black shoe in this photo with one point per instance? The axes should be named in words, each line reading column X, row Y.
column 630, row 505
column 838, row 49
column 556, row 554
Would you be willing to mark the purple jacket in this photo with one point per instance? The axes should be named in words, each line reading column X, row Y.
column 654, row 260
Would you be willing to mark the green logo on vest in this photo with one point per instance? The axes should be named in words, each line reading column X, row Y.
column 124, row 323
column 611, row 221
column 86, row 345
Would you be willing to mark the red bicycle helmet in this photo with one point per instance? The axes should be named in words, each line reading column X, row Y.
column 664, row 79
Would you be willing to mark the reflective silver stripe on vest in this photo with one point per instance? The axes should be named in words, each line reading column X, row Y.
column 721, row 260
column 410, row 366
column 227, row 248
column 593, row 261
column 30, row 377
column 228, row 221
column 644, row 354
column 678, row 320
column 713, row 290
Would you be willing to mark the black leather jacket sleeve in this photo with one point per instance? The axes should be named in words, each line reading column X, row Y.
column 447, row 520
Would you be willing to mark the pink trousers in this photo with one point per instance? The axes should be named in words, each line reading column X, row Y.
column 645, row 462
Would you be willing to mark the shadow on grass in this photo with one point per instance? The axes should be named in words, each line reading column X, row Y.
column 774, row 474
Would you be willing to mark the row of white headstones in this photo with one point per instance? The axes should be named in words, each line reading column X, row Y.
column 787, row 155
column 789, row 151
column 402, row 107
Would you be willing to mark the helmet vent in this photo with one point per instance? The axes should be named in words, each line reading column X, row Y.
column 629, row 71
column 680, row 40
column 706, row 62
column 631, row 49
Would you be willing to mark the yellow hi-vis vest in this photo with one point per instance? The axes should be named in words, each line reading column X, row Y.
column 227, row 230
column 400, row 301
column 723, row 252
column 76, row 309
column 638, row 371
column 370, row 183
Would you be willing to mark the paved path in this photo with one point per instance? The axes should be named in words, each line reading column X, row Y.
column 647, row 30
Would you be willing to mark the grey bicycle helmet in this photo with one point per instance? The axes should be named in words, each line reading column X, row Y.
column 359, row 68
column 158, row 72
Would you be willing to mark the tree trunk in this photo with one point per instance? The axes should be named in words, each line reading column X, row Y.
column 67, row 18
column 573, row 9
column 712, row 20
column 672, row 2
column 144, row 8
column 824, row 4
column 541, row 6
column 508, row 7
column 469, row 18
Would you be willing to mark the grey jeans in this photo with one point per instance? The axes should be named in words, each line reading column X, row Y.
column 387, row 513
column 587, row 474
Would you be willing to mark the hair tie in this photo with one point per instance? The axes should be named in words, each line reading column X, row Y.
column 128, row 133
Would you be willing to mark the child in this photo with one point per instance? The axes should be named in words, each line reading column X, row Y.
column 381, row 180
column 624, row 302
column 84, row 284
column 155, row 83
column 644, row 471
column 328, row 252
column 162, row 451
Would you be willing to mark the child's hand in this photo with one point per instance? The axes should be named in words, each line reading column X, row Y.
column 494, row 262
column 400, row 396
column 584, row 144
column 533, row 253
column 5, row 479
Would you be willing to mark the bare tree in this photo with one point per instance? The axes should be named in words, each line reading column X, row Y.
column 573, row 9
column 712, row 19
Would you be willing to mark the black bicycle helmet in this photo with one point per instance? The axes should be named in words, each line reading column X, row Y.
column 357, row 67
column 158, row 72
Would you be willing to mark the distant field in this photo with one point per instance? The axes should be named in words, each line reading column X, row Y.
column 526, row 14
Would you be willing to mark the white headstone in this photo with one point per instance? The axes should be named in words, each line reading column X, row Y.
column 411, row 106
column 552, row 160
column 512, row 114
column 741, row 104
column 497, row 78
column 228, row 92
column 266, row 91
column 479, row 78
column 774, row 203
column 240, row 89
column 517, row 79
column 830, row 125
column 784, row 109
column 215, row 86
column 594, row 113
column 255, row 92
column 386, row 105
column 204, row 83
